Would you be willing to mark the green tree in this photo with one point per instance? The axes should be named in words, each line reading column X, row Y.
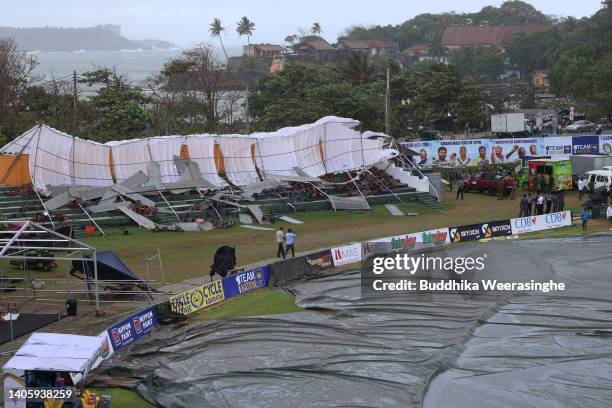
column 245, row 27
column 489, row 64
column 435, row 99
column 316, row 29
column 121, row 111
column 356, row 68
column 216, row 30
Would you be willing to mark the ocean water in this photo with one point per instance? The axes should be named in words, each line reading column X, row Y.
column 136, row 65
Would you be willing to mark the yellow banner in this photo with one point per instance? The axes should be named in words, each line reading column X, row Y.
column 197, row 298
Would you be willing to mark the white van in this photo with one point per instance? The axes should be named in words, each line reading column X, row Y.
column 600, row 178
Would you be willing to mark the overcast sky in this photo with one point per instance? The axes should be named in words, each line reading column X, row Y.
column 185, row 22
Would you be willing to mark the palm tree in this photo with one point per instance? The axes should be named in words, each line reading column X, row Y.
column 316, row 28
column 356, row 68
column 245, row 27
column 216, row 29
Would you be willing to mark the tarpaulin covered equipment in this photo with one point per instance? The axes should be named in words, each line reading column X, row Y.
column 110, row 268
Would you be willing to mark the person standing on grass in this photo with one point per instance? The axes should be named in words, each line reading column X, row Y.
column 523, row 206
column 580, row 188
column 561, row 198
column 540, row 204
column 460, row 188
column 280, row 238
column 529, row 205
column 585, row 218
column 290, row 237
column 549, row 201
column 609, row 215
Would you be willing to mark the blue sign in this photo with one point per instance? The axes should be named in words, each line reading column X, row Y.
column 246, row 281
column 585, row 144
column 132, row 328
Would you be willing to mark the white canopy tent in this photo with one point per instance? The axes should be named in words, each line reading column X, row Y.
column 56, row 352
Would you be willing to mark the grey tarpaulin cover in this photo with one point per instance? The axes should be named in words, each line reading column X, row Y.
column 496, row 350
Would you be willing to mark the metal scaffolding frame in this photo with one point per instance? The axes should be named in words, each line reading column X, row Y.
column 16, row 243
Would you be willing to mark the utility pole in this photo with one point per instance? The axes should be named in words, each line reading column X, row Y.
column 387, row 122
column 74, row 100
column 246, row 110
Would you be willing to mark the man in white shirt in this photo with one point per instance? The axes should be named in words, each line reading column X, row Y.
column 580, row 188
column 609, row 215
column 280, row 238
column 290, row 237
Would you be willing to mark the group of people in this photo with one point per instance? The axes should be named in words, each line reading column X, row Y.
column 283, row 238
column 541, row 204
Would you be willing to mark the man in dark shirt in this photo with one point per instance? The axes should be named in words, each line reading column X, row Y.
column 523, row 206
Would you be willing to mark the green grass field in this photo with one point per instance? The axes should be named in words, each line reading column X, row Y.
column 258, row 303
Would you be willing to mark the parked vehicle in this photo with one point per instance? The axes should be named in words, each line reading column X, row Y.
column 542, row 171
column 581, row 126
column 489, row 181
column 508, row 124
column 600, row 178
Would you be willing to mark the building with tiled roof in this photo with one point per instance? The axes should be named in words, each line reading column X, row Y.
column 499, row 36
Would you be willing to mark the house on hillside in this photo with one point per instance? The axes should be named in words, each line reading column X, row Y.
column 370, row 47
column 263, row 50
column 315, row 50
column 419, row 53
column 489, row 36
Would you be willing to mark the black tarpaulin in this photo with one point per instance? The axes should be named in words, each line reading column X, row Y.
column 516, row 349
column 110, row 268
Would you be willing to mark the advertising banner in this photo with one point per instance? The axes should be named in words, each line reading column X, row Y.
column 473, row 232
column 541, row 222
column 132, row 328
column 247, row 281
column 557, row 146
column 512, row 150
column 197, row 298
column 346, row 254
column 605, row 144
column 322, row 259
column 461, row 153
column 585, row 144
column 465, row 233
column 425, row 149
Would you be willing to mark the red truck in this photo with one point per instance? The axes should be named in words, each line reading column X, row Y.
column 488, row 181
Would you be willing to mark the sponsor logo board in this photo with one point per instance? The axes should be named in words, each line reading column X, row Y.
column 197, row 298
column 346, row 254
column 541, row 222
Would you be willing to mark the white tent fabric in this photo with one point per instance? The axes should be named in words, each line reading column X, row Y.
column 49, row 161
column 91, row 163
column 307, row 144
column 327, row 146
column 56, row 352
column 202, row 151
column 20, row 144
column 275, row 154
column 163, row 149
column 342, row 148
column 130, row 157
column 238, row 159
column 373, row 151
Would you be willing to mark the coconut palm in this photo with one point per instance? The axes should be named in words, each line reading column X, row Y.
column 316, row 28
column 356, row 68
column 245, row 27
column 216, row 29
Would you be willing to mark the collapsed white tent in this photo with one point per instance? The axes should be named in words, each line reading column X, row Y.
column 56, row 352
column 329, row 145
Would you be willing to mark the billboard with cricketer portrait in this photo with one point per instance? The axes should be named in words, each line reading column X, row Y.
column 461, row 153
